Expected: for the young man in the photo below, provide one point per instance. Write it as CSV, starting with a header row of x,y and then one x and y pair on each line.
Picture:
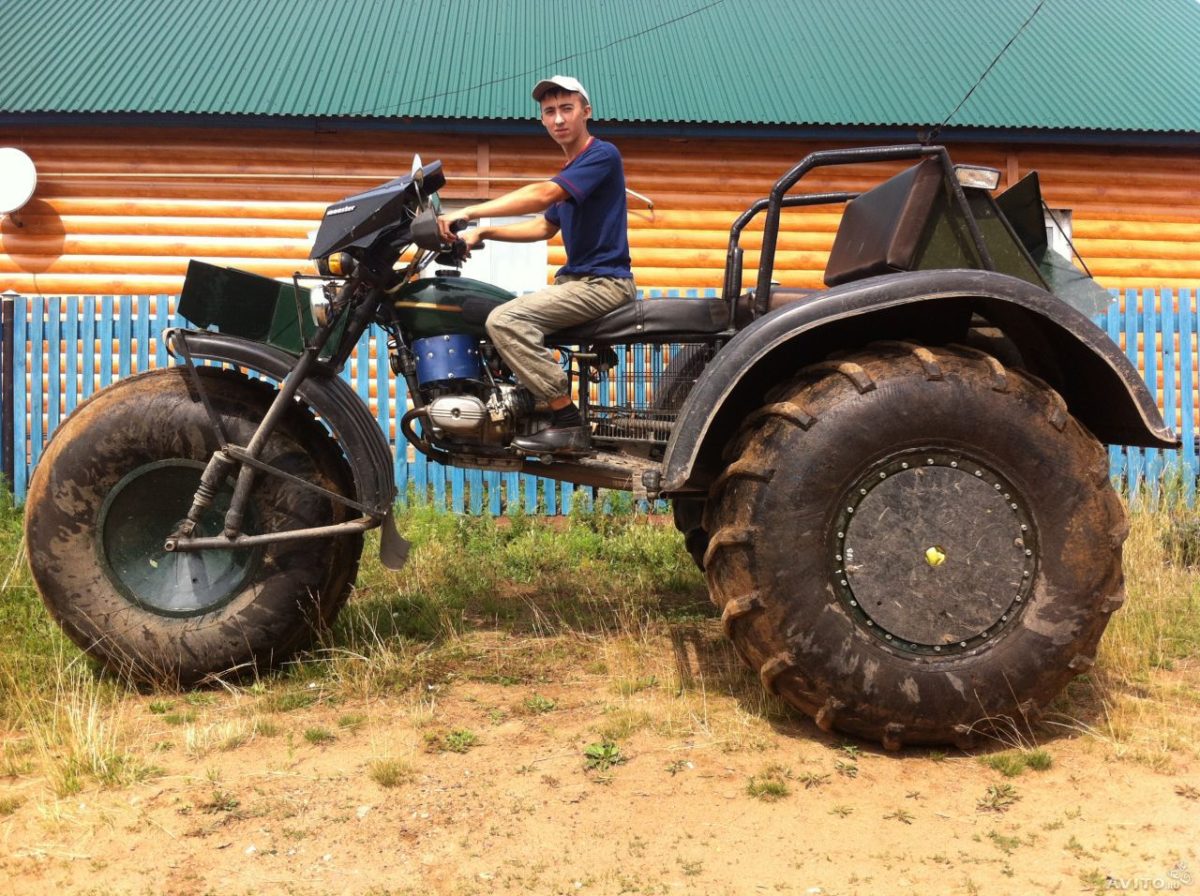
x,y
586,201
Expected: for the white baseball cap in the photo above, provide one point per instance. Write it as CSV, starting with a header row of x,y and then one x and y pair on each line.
x,y
559,82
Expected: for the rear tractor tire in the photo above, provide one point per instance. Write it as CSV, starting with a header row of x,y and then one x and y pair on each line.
x,y
116,480
915,545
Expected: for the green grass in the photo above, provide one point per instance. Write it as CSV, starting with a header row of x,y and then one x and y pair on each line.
x,y
1141,698
539,704
998,798
459,740
465,571
390,772
318,736
529,602
770,785
602,756
1013,762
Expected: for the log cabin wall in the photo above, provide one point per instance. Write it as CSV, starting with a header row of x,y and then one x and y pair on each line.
x,y
121,210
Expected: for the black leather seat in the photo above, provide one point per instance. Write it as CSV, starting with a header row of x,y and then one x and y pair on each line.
x,y
644,320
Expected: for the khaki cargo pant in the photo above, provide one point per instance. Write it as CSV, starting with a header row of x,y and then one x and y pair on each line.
x,y
518,328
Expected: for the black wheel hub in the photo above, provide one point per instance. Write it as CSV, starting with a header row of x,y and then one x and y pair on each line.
x,y
135,520
934,552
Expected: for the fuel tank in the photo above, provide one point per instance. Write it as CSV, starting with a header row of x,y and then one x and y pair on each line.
x,y
434,306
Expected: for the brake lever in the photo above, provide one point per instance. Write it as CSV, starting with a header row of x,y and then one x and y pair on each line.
x,y
457,252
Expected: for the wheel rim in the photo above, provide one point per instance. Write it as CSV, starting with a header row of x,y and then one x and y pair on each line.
x,y
135,520
934,553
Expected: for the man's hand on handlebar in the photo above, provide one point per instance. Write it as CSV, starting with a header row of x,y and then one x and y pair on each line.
x,y
449,227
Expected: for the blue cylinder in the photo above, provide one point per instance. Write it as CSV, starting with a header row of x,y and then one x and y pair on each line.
x,y
450,357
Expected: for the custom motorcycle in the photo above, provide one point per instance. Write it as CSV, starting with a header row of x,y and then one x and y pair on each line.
x,y
894,485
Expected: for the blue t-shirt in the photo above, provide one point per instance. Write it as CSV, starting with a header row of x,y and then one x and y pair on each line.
x,y
593,217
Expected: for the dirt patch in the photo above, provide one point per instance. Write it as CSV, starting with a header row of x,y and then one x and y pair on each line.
x,y
291,802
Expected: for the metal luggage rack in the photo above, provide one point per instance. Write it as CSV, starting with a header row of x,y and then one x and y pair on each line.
x,y
633,393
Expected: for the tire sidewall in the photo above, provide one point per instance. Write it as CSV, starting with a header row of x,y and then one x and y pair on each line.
x,y
1016,433
150,418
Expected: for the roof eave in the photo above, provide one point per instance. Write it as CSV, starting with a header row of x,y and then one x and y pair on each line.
x,y
664,129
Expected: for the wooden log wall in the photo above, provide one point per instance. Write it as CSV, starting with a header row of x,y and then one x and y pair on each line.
x,y
121,210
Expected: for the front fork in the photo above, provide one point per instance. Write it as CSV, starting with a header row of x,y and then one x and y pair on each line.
x,y
249,457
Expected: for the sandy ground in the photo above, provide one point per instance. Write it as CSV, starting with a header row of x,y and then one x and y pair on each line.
x,y
519,812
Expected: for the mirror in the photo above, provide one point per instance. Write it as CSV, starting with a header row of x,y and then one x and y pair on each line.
x,y
418,178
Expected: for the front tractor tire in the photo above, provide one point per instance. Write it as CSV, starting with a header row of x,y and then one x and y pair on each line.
x,y
117,479
915,545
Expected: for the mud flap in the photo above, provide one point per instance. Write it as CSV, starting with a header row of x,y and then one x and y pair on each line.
x,y
393,547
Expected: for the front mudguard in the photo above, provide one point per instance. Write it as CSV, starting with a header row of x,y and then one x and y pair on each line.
x,y
1102,389
331,398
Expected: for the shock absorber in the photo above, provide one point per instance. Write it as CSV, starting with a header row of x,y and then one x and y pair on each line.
x,y
400,359
403,363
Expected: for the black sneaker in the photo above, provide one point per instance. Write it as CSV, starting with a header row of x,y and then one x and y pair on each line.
x,y
565,441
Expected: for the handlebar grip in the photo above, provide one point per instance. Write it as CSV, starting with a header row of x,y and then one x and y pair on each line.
x,y
459,224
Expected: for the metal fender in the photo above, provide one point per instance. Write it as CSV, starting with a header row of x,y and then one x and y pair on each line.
x,y
337,404
1103,390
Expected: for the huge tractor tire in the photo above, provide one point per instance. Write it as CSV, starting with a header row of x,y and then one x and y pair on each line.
x,y
117,479
915,545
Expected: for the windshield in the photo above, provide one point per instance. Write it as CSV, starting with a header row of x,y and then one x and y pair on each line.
x,y
358,219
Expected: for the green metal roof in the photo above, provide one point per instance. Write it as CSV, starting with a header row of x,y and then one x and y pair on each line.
x,y
1094,65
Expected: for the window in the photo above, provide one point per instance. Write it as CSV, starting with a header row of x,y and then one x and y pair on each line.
x,y
519,267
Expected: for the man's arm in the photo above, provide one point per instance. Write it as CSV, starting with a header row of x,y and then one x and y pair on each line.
x,y
525,200
518,232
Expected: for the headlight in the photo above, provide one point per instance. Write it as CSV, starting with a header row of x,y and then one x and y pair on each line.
x,y
977,176
319,303
340,264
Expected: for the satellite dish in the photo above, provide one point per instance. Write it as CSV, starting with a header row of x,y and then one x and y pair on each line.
x,y
18,177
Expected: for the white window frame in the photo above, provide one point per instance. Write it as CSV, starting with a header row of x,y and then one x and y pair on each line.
x,y
517,267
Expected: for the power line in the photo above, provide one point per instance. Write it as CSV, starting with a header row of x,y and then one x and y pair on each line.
x,y
541,69
934,133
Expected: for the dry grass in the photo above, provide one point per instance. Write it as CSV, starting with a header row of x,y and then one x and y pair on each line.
x,y
1141,699
80,731
529,603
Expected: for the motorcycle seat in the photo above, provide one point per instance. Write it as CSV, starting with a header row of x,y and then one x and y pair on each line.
x,y
642,320
647,320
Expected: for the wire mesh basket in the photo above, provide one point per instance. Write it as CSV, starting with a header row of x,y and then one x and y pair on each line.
x,y
634,392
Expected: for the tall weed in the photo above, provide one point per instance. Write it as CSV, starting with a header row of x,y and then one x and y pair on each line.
x,y
1141,696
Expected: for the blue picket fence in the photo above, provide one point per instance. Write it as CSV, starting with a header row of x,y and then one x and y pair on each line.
x,y
62,349
1158,330
66,348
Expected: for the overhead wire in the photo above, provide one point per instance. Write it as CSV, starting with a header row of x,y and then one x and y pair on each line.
x,y
933,135
544,66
